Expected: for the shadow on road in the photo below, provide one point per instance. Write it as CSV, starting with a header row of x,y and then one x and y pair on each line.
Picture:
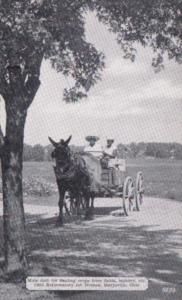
x,y
80,249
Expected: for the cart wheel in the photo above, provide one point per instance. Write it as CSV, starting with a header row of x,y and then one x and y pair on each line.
x,y
139,190
128,195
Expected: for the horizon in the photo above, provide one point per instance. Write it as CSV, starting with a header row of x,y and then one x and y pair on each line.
x,y
82,145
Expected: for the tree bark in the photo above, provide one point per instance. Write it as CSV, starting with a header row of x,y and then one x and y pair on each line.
x,y
1,141
13,211
18,95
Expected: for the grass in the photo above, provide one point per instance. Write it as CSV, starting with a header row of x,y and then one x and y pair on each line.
x,y
163,177
42,170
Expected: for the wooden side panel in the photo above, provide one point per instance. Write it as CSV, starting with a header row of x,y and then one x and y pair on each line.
x,y
118,177
94,167
103,177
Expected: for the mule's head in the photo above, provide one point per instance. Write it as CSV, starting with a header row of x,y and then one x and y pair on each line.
x,y
61,152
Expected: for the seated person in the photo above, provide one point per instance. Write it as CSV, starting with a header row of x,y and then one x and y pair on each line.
x,y
109,154
110,150
93,148
111,162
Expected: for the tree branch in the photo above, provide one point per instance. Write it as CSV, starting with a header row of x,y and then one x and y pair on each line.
x,y
33,82
31,88
4,87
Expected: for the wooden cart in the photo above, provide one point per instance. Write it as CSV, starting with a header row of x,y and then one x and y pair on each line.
x,y
114,181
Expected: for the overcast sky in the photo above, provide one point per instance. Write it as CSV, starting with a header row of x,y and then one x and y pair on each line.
x,y
131,103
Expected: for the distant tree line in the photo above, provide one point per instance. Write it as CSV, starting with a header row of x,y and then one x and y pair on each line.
x,y
42,153
34,153
155,150
132,150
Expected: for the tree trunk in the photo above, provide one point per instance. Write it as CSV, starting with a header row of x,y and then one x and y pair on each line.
x,y
13,211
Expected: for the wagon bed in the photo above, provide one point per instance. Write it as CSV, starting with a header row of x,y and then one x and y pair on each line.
x,y
104,177
113,182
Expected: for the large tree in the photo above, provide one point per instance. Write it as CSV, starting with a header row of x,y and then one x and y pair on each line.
x,y
33,30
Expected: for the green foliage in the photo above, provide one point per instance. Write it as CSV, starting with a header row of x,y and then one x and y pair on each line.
x,y
31,30
33,153
156,150
151,23
55,30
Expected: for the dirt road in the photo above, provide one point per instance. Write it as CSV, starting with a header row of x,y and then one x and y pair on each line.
x,y
147,243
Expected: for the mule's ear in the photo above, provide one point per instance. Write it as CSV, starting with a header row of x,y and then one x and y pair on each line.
x,y
68,140
53,142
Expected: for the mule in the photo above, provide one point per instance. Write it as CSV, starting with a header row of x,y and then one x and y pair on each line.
x,y
72,176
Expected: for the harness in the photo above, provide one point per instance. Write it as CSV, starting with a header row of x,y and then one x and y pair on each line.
x,y
76,166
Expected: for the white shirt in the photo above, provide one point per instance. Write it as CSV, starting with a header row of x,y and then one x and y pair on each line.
x,y
95,150
110,150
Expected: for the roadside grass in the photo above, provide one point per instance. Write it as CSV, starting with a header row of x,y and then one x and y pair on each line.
x,y
43,170
163,177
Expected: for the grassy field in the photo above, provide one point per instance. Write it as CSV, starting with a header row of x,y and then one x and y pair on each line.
x,y
163,178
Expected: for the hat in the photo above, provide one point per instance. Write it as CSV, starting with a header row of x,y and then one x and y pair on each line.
x,y
92,138
110,140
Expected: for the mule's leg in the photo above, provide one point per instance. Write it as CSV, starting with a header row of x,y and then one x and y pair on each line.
x,y
92,203
92,200
66,203
87,200
61,204
77,198
83,205
88,213
66,209
71,204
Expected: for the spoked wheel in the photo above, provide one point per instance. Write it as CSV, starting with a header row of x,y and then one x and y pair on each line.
x,y
139,190
128,195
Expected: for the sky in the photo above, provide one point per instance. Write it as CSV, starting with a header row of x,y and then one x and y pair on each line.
x,y
131,103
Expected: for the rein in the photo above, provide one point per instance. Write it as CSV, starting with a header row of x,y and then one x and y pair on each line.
x,y
72,169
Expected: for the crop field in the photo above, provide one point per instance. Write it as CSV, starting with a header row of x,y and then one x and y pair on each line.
x,y
163,178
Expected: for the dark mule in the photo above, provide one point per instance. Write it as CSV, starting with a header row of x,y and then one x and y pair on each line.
x,y
72,176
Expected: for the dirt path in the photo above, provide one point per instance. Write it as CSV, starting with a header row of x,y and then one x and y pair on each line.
x,y
147,243
159,214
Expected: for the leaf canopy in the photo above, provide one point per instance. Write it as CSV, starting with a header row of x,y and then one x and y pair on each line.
x,y
52,29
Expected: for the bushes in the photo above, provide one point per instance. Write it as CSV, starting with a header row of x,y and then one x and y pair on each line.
x,y
38,187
